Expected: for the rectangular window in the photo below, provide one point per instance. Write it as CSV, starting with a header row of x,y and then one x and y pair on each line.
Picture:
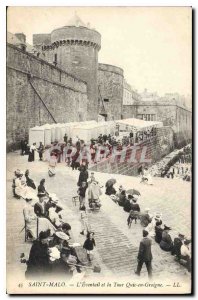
x,y
106,100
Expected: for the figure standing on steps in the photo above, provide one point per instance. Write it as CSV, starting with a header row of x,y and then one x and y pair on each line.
x,y
145,255
89,244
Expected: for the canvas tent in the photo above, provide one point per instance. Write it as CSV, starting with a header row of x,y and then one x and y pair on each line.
x,y
47,134
137,124
36,135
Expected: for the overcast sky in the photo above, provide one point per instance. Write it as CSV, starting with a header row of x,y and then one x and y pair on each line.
x,y
151,45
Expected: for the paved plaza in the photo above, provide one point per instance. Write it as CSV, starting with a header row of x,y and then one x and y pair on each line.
x,y
116,245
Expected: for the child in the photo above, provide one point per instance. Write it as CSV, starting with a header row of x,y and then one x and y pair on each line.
x,y
84,220
89,244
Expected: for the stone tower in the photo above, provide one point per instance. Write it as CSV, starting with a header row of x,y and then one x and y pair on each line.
x,y
74,48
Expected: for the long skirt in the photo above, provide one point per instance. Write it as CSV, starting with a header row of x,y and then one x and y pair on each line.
x,y
43,225
25,192
31,156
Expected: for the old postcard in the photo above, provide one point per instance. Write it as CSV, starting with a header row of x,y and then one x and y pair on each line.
x,y
99,150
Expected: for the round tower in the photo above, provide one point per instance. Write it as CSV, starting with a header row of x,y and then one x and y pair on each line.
x,y
74,48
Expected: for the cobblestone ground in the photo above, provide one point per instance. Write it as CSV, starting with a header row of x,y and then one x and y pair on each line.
x,y
116,245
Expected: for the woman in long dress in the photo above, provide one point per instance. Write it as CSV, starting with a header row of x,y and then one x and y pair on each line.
x,y
33,224
32,153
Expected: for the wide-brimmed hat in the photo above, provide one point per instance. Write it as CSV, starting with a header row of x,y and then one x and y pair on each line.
x,y
61,235
158,216
44,234
167,228
147,209
41,194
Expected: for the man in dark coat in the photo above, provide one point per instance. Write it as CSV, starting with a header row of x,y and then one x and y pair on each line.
x,y
41,150
145,255
38,264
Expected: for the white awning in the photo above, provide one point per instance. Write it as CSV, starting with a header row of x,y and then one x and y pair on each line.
x,y
138,124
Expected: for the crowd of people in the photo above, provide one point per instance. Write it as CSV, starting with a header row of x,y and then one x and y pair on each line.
x,y
74,150
154,227
54,250
176,164
180,166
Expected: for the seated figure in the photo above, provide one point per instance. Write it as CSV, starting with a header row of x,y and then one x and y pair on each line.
x,y
145,218
177,243
185,258
158,232
35,225
166,243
